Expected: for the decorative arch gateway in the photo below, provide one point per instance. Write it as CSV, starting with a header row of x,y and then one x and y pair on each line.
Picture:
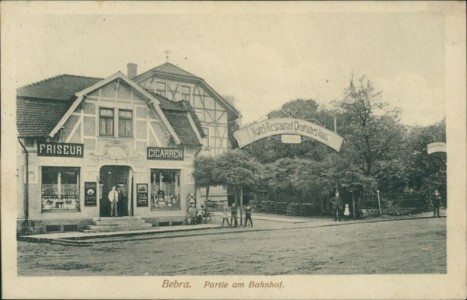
x,y
290,130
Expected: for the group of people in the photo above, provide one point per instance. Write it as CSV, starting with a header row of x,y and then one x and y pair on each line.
x,y
195,216
118,205
339,209
233,216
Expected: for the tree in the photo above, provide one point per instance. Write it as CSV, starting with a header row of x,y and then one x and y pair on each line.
x,y
238,169
371,129
206,175
425,171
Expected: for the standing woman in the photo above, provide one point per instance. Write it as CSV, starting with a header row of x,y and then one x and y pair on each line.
x,y
225,216
248,215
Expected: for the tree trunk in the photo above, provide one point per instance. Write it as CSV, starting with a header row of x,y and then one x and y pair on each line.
x,y
241,205
354,213
206,205
236,203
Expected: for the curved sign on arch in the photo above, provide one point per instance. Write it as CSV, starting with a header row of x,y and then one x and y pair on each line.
x,y
287,126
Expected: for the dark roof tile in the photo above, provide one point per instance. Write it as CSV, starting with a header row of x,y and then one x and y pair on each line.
x,y
166,103
37,117
180,123
194,117
61,87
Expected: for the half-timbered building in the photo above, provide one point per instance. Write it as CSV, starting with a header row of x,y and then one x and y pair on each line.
x,y
214,111
79,136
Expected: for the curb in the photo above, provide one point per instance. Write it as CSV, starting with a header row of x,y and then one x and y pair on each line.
x,y
186,232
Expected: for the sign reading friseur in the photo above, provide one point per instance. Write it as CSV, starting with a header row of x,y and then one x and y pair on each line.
x,y
263,129
60,149
164,153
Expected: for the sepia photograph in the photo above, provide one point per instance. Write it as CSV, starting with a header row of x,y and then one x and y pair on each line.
x,y
233,150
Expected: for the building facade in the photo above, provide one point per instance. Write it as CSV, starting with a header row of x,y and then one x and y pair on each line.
x,y
79,136
214,112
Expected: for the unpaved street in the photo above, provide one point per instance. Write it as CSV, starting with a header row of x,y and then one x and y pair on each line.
x,y
408,246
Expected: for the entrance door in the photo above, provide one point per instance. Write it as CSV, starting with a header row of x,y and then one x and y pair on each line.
x,y
118,176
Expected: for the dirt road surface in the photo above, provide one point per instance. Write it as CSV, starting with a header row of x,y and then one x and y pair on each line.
x,y
407,247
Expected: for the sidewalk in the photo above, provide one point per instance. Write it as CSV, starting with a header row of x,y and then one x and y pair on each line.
x,y
262,222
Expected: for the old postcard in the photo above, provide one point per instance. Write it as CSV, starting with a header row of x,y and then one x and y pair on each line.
x,y
233,150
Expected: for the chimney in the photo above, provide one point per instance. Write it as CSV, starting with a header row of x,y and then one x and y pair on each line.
x,y
132,70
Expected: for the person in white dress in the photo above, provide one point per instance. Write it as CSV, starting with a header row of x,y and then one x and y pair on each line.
x,y
346,212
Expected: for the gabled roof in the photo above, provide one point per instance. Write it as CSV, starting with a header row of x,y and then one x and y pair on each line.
x,y
173,69
169,69
81,95
61,87
39,116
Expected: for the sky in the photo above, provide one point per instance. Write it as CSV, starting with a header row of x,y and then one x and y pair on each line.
x,y
260,57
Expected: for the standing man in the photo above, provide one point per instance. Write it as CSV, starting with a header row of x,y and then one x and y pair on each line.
x,y
113,198
122,205
248,215
337,207
192,213
233,215
436,203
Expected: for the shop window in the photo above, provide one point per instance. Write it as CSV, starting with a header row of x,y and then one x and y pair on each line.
x,y
125,123
160,88
185,93
60,188
165,189
106,122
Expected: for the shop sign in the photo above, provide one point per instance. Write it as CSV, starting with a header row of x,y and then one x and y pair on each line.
x,y
90,193
60,149
164,153
142,195
436,147
291,139
287,126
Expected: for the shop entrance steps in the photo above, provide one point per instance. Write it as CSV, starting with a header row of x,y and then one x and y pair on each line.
x,y
109,224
